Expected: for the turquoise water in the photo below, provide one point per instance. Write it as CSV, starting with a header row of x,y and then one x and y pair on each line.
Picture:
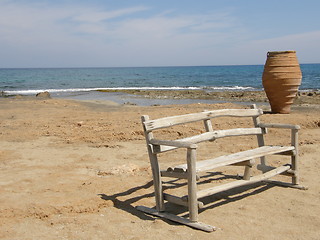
x,y
80,80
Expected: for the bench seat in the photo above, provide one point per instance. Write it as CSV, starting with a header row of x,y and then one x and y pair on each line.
x,y
226,160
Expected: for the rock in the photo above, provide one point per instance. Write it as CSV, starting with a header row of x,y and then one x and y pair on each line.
x,y
129,103
43,95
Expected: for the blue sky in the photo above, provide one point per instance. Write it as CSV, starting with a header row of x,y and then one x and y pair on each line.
x,y
103,33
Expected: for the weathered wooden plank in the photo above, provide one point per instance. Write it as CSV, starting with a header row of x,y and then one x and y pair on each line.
x,y
236,132
161,148
174,218
284,184
193,117
173,143
181,175
184,142
225,160
265,168
179,200
239,183
207,136
278,125
244,163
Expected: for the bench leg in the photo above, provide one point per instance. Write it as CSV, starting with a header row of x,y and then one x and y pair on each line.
x,y
294,159
248,169
294,164
157,183
192,185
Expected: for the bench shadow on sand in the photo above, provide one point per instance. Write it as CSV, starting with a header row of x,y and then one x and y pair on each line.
x,y
210,202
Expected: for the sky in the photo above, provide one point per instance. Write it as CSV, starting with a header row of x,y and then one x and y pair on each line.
x,y
132,33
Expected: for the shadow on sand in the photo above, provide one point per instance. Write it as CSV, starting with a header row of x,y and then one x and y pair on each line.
x,y
214,201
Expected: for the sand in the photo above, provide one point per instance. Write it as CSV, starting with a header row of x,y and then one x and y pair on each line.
x,y
76,170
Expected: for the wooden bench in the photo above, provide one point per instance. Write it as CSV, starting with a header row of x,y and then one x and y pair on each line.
x,y
192,168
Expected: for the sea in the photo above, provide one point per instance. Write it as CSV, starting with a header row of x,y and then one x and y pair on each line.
x,y
84,83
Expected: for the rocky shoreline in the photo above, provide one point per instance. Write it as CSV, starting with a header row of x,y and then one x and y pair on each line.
x,y
303,97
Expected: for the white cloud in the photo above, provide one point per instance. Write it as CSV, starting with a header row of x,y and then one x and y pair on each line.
x,y
95,16
306,44
47,31
82,35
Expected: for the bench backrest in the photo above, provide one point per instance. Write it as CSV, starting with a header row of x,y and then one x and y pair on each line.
x,y
151,125
211,134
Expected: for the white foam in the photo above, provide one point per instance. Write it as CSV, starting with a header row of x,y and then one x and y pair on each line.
x,y
231,88
35,91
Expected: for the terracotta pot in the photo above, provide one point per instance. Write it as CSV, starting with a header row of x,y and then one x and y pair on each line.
x,y
281,80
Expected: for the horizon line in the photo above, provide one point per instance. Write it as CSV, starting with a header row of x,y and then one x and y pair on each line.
x,y
222,65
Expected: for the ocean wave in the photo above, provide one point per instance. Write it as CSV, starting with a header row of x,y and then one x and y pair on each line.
x,y
70,90
230,88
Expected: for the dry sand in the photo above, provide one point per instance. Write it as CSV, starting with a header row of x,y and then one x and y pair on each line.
x,y
76,170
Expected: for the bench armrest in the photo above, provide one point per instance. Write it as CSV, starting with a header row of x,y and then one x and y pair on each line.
x,y
173,143
278,125
294,130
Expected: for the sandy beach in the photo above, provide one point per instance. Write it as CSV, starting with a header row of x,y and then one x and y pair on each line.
x,y
77,169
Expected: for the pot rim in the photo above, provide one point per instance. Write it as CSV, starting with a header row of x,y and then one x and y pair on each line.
x,y
281,52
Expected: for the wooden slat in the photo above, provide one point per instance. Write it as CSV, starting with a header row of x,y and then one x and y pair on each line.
x,y
181,143
173,143
238,183
161,148
181,175
207,136
175,200
236,132
234,158
265,168
284,184
179,200
244,163
174,218
193,117
278,125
